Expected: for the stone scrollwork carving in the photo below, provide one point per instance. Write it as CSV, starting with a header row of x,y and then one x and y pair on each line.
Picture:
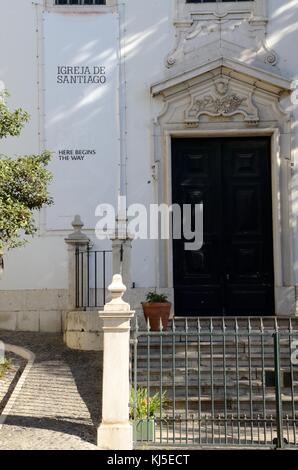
x,y
223,102
220,106
271,56
229,29
171,60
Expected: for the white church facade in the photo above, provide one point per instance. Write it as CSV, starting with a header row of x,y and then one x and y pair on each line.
x,y
161,102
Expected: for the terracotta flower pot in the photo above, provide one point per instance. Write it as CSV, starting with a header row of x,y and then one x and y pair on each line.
x,y
156,311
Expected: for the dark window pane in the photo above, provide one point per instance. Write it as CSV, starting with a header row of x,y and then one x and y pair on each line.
x,y
80,2
213,1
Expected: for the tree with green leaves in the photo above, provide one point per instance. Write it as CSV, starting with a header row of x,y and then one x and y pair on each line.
x,y
23,183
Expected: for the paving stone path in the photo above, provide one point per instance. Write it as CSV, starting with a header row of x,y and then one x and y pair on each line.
x,y
58,407
10,378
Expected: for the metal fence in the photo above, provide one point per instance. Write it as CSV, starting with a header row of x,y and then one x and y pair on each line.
x,y
93,268
213,382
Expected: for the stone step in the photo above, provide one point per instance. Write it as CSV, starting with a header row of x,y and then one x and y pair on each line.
x,y
217,363
215,356
192,354
193,368
217,340
230,322
231,404
252,359
243,348
205,388
205,378
168,337
205,370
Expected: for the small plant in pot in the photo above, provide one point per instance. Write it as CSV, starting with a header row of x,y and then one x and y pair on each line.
x,y
143,411
156,308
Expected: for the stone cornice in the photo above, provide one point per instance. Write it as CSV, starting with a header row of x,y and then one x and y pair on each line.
x,y
271,82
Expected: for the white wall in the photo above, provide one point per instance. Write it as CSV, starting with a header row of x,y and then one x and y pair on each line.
x,y
19,69
149,38
283,35
19,72
148,27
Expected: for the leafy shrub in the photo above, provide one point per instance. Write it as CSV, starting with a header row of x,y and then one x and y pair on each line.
x,y
142,406
155,297
4,367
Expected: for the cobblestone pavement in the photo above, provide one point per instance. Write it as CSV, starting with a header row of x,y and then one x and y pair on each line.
x,y
10,378
58,407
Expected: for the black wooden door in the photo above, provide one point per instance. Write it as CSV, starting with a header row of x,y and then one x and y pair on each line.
x,y
232,274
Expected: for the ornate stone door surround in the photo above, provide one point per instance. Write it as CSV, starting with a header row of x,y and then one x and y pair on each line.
x,y
225,97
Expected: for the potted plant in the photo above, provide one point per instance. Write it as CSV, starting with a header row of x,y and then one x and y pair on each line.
x,y
143,410
156,308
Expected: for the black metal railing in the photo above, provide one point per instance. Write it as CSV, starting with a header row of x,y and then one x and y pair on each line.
x,y
214,382
93,268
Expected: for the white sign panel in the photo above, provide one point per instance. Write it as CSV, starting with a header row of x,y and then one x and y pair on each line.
x,y
81,124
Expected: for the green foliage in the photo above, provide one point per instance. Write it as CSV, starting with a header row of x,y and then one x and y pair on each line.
x,y
23,184
11,122
142,407
4,367
153,297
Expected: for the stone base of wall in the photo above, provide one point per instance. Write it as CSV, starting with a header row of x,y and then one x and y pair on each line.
x,y
45,310
48,321
33,310
83,331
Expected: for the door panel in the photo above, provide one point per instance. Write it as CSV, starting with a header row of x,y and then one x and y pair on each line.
x,y
248,245
196,178
233,272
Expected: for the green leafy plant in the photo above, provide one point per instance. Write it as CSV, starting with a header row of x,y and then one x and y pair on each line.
x,y
154,297
142,406
23,183
11,122
4,367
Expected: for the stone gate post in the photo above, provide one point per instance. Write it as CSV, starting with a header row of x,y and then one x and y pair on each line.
x,y
115,431
75,240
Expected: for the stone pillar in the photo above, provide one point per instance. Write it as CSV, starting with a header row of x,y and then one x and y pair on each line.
x,y
115,431
75,240
121,247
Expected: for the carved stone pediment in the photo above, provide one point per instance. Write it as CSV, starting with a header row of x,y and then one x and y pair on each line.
x,y
221,91
221,99
223,67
